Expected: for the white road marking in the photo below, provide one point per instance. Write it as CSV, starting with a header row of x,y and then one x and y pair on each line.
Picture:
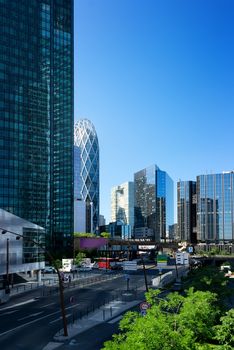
x,y
58,319
9,312
19,304
31,315
28,323
116,319
73,305
47,305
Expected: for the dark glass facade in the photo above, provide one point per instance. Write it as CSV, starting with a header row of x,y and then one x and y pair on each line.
x,y
153,207
186,211
215,207
36,114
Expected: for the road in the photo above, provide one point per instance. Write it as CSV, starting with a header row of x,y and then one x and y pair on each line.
x,y
30,321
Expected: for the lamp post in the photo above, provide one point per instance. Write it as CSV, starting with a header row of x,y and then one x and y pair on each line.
x,y
7,261
62,306
145,277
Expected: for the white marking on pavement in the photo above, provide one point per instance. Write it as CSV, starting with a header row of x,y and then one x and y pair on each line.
x,y
31,315
58,319
19,304
28,323
9,312
52,345
73,305
47,305
116,319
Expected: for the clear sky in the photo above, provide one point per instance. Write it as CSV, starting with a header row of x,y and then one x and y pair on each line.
x,y
156,78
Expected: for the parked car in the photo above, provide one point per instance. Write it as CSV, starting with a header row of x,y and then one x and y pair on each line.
x,y
49,269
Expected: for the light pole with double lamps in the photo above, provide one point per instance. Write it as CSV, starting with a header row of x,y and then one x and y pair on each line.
x,y
61,294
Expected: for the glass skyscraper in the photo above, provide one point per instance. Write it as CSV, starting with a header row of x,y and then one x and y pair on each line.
x,y
87,171
153,202
215,207
122,203
186,211
36,114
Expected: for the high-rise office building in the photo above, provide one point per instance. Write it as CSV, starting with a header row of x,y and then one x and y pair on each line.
x,y
87,164
186,211
122,203
79,203
215,207
36,115
153,203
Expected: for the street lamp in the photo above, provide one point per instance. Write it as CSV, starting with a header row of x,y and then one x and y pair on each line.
x,y
62,306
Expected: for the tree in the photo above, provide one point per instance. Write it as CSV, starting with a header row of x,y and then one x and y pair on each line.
x,y
85,235
79,258
225,331
57,263
105,234
175,323
210,278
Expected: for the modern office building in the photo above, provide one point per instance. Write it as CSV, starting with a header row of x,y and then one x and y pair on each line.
x,y
102,220
17,253
79,203
87,172
215,207
122,203
36,115
186,211
153,203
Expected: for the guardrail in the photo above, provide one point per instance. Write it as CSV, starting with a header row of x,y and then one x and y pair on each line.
x,y
50,286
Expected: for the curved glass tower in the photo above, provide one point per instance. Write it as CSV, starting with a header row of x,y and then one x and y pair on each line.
x,y
87,183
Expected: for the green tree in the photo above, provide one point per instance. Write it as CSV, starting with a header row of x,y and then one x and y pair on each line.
x,y
105,234
57,263
225,331
85,235
174,323
210,278
79,258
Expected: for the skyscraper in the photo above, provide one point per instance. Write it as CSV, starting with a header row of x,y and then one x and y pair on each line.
x,y
86,145
153,203
215,207
186,211
122,203
36,115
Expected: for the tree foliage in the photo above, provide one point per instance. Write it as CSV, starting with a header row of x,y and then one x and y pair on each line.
x,y
175,323
225,331
85,235
105,234
79,257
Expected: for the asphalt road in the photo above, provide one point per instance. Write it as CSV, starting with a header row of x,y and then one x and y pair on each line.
x,y
31,321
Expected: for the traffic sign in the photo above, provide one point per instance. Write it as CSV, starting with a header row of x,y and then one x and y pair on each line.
x,y
72,300
130,265
144,306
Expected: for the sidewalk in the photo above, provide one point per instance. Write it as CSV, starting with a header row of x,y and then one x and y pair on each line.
x,y
104,314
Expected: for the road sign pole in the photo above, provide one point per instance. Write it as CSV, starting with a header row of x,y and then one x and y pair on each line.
x,y
146,284
127,283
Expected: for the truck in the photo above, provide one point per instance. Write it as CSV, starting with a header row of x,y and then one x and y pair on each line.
x,y
67,265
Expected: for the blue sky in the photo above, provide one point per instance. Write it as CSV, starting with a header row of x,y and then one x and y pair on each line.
x,y
156,78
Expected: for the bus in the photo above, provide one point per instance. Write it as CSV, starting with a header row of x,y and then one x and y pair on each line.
x,y
109,263
4,291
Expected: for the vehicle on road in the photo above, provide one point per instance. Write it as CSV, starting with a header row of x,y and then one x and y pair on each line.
x,y
49,269
109,263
